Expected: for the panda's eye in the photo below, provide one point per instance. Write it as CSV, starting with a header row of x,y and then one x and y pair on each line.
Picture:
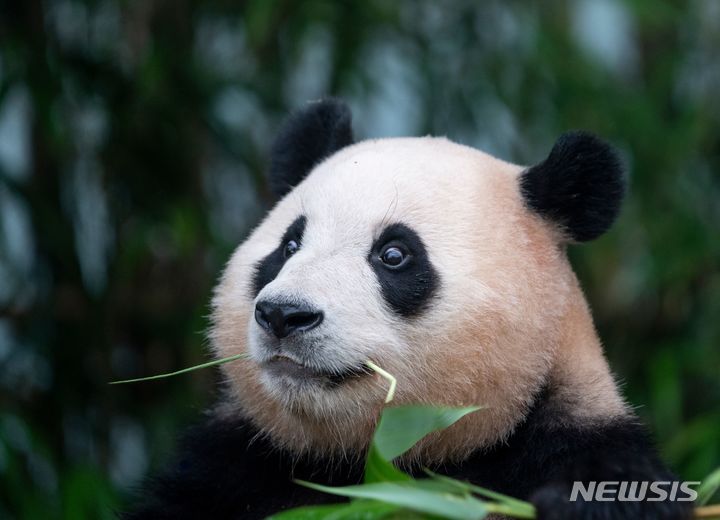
x,y
290,248
393,256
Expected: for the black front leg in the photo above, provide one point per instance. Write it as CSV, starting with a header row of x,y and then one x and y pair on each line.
x,y
618,452
552,449
224,470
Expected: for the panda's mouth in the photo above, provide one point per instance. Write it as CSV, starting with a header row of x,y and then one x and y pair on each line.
x,y
283,366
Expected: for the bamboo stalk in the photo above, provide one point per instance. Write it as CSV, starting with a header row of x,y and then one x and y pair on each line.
x,y
707,511
183,371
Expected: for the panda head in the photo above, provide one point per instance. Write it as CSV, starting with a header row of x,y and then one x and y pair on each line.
x,y
439,263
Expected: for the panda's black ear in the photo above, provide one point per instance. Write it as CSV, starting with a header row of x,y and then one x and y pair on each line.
x,y
580,186
307,137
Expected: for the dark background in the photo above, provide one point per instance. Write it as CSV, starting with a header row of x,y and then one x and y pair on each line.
x,y
133,145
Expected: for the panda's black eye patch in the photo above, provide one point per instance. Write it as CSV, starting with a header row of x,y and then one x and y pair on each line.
x,y
269,267
407,278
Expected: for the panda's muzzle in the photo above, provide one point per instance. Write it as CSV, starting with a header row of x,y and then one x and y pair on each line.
x,y
286,319
287,322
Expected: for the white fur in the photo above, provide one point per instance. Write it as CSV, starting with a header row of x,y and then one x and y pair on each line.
x,y
491,337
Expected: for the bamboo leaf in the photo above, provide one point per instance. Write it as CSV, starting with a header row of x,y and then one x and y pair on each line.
x,y
403,426
412,496
708,488
459,485
357,510
378,469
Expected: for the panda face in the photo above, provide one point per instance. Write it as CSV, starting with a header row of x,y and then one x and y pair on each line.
x,y
294,342
411,253
418,254
347,276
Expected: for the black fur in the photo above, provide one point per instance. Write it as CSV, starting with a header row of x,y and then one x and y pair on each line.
x,y
407,290
542,459
269,267
580,185
224,473
307,137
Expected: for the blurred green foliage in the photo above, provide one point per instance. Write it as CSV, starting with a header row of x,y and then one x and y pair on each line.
x,y
133,143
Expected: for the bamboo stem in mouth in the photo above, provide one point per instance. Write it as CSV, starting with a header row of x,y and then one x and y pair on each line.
x,y
386,375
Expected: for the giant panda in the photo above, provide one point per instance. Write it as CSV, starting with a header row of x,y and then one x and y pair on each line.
x,y
445,266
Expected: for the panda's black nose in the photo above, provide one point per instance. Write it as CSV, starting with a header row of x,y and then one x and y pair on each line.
x,y
284,319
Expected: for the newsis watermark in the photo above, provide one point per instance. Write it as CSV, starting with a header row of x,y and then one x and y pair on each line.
x,y
633,491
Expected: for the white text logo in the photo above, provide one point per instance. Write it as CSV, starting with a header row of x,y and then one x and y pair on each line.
x,y
633,491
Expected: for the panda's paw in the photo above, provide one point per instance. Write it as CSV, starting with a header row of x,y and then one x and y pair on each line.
x,y
552,503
